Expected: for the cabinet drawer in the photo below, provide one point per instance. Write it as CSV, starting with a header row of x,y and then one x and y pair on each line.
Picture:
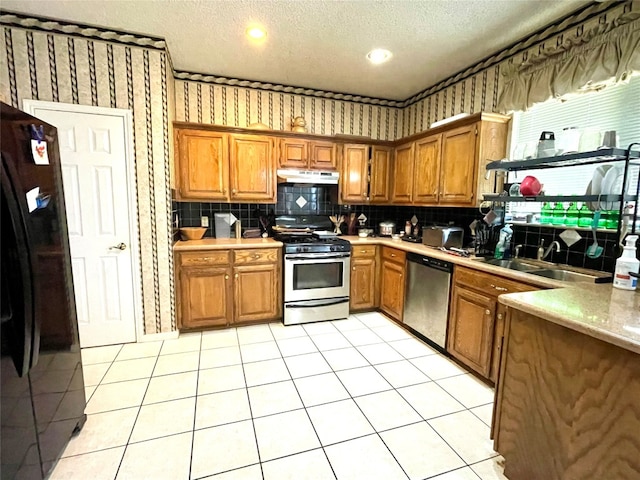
x,y
361,251
393,255
259,255
214,257
488,283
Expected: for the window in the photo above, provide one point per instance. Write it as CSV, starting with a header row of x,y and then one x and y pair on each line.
x,y
614,108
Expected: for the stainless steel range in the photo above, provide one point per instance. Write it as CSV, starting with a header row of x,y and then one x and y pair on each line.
x,y
316,275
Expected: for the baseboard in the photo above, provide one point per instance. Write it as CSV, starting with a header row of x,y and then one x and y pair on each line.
x,y
157,337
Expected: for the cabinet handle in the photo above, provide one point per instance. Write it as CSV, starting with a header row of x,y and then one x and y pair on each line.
x,y
236,275
353,268
234,191
256,255
393,254
500,289
487,312
226,277
363,251
499,316
224,191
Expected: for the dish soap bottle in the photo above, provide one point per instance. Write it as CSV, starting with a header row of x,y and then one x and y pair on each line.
x,y
627,263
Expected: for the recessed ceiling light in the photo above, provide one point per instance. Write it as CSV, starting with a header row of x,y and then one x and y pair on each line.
x,y
256,33
378,55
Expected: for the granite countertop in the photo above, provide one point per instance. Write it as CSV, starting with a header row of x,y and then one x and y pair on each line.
x,y
597,310
224,243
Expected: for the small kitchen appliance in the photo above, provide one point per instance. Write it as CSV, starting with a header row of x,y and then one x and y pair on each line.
x,y
442,236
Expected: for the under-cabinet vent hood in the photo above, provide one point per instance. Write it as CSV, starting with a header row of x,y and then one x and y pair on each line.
x,y
317,177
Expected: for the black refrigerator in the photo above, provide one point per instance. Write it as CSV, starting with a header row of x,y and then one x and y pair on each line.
x,y
42,397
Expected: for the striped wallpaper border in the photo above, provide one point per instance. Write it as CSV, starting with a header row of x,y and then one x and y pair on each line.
x,y
52,25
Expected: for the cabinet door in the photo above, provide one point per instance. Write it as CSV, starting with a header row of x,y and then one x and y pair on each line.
x,y
470,337
363,284
322,155
392,289
293,153
205,297
426,179
256,293
458,171
202,161
380,165
402,183
353,178
252,176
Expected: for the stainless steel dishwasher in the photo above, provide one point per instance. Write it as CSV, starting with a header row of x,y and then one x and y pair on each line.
x,y
426,306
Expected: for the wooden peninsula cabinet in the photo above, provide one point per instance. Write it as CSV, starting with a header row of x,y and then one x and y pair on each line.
x,y
392,282
476,321
364,278
223,287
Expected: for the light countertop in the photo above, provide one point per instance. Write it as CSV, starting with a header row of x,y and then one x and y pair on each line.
x,y
224,243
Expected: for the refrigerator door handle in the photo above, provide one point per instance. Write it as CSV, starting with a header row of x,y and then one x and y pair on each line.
x,y
20,268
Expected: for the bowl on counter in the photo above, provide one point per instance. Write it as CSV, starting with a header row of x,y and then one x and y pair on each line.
x,y
192,233
365,232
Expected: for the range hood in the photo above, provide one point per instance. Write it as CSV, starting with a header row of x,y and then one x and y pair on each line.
x,y
314,177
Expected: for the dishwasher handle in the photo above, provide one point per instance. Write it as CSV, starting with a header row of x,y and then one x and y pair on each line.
x,y
435,263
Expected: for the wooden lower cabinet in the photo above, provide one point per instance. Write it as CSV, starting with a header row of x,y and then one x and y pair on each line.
x,y
392,282
256,292
471,332
363,284
221,288
476,319
205,296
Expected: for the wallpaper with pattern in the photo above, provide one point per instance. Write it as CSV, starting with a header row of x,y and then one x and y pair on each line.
x,y
71,69
62,62
202,102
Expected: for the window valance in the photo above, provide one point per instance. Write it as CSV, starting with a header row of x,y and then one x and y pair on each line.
x,y
607,53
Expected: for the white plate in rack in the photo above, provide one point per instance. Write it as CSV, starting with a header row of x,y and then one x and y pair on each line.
x,y
612,185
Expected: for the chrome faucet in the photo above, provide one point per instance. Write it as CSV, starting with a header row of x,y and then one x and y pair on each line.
x,y
517,249
541,255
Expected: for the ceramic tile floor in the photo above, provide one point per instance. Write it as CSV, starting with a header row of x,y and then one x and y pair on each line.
x,y
352,399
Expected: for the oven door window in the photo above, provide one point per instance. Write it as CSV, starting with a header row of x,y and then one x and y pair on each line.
x,y
309,276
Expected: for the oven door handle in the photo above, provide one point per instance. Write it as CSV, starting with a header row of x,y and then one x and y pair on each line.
x,y
318,304
312,256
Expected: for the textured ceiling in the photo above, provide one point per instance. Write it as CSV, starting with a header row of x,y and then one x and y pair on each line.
x,y
321,44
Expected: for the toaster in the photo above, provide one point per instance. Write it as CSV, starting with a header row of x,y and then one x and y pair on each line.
x,y
442,236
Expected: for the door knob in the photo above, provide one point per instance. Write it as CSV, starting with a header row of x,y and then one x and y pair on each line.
x,y
120,246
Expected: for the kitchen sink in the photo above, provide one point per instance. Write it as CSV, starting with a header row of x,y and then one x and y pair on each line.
x,y
555,273
511,264
564,275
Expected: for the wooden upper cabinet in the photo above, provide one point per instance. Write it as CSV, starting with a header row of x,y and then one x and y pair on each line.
x,y
426,179
202,160
380,169
353,177
322,155
252,169
459,170
402,178
293,153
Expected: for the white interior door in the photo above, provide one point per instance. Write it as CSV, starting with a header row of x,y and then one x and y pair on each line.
x,y
93,153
